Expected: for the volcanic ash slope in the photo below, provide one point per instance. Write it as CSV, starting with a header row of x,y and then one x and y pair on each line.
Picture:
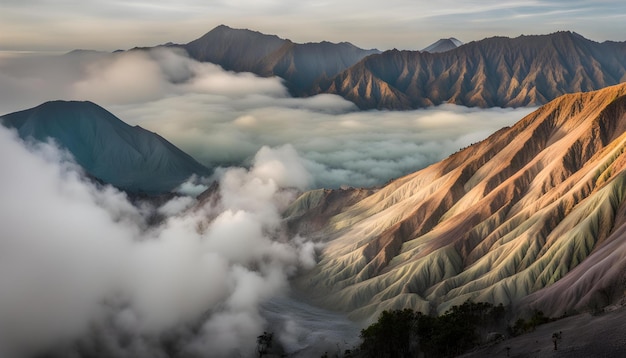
x,y
534,215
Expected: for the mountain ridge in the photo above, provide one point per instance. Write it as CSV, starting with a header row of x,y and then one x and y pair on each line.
x,y
493,72
300,65
502,221
130,158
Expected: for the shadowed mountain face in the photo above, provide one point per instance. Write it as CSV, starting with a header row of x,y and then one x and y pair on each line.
x,y
495,72
268,55
534,215
233,49
443,45
129,158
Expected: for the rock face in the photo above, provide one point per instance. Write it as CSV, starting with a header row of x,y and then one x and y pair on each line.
x,y
301,65
494,72
535,215
130,158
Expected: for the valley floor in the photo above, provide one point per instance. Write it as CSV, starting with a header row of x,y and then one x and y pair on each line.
x,y
583,335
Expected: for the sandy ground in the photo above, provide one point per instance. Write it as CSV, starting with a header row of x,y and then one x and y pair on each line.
x,y
584,335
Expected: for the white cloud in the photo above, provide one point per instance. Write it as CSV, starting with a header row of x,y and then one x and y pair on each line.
x,y
78,262
222,118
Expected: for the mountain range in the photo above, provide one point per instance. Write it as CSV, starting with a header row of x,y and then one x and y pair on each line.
x,y
493,72
300,65
130,158
533,216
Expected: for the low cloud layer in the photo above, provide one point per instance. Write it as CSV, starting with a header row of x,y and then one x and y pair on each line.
x,y
81,268
223,118
82,272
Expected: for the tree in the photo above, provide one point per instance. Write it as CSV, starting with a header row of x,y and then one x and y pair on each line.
x,y
403,333
392,335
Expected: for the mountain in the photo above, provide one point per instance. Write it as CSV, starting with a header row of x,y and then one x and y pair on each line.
x,y
234,49
130,158
301,65
534,216
443,45
494,72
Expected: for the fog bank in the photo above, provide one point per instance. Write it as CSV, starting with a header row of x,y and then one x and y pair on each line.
x,y
82,273
223,118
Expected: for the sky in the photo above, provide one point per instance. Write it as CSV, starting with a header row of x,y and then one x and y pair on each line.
x,y
63,25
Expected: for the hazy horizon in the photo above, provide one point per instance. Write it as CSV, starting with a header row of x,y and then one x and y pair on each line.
x,y
31,25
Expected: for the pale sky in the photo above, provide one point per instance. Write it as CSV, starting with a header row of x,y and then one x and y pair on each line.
x,y
61,25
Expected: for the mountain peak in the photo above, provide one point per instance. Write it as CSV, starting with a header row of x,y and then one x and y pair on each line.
x,y
513,72
222,30
301,65
443,45
128,157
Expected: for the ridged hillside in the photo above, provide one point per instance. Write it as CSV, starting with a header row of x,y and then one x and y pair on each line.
x,y
534,215
494,72
127,157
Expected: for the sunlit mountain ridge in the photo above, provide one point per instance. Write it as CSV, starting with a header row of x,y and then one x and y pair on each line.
x,y
532,216
494,72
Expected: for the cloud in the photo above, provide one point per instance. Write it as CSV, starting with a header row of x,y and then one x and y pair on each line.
x,y
79,264
223,118
341,146
193,187
124,78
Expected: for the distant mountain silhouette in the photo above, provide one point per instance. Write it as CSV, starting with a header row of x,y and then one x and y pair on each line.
x,y
443,45
234,49
494,72
130,158
268,55
534,216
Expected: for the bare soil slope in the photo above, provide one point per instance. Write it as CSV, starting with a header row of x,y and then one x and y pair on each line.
x,y
534,216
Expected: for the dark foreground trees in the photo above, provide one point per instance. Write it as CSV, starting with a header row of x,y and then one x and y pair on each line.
x,y
406,333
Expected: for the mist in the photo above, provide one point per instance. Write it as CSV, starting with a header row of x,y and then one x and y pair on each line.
x,y
82,273
223,118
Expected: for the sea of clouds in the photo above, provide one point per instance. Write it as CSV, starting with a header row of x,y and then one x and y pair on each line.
x,y
82,273
82,270
223,118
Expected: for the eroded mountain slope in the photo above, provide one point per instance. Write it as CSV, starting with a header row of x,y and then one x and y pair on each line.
x,y
506,220
494,72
